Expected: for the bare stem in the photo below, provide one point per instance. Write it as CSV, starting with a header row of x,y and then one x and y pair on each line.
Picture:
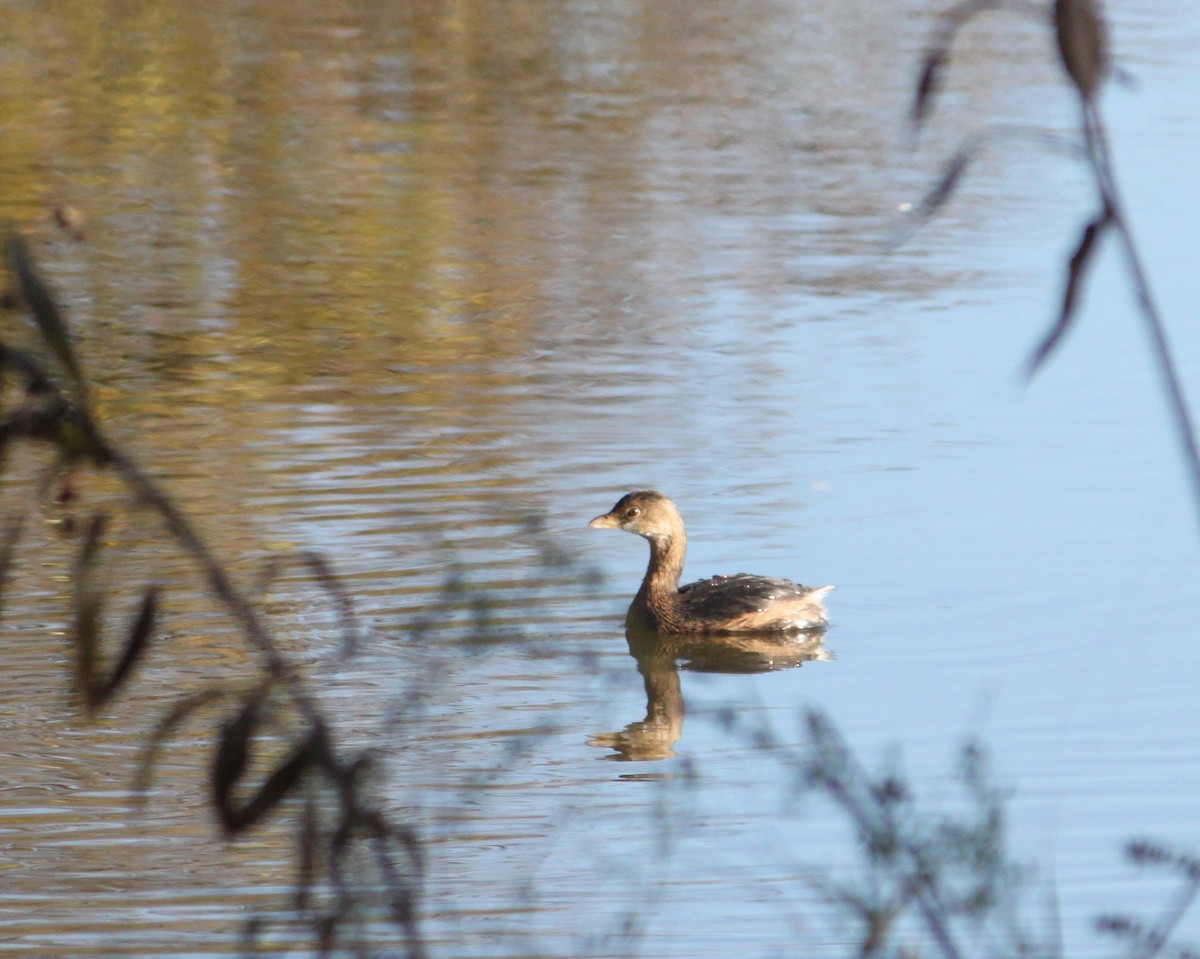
x,y
1172,916
1100,160
866,814
147,492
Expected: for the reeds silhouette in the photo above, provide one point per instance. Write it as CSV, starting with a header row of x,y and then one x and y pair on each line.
x,y
948,880
51,408
941,882
1081,35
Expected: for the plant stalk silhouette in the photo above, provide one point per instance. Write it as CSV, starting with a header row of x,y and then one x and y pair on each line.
x,y
53,408
1081,34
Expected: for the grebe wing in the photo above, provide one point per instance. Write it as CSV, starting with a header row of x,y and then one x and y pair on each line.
x,y
728,596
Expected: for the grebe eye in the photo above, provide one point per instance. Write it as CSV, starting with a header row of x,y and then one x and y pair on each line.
x,y
632,512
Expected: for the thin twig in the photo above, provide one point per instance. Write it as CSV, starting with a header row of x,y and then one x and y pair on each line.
x,y
151,495
1176,909
1100,160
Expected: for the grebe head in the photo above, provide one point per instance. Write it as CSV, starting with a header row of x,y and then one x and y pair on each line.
x,y
646,512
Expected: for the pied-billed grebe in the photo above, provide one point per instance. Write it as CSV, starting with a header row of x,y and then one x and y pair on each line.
x,y
723,604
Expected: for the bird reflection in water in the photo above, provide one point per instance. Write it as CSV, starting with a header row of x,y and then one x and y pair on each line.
x,y
725,624
659,659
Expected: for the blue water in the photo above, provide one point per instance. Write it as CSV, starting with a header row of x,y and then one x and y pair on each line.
x,y
663,268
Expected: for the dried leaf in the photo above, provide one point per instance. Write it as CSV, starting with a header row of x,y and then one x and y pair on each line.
x,y
85,635
88,606
50,321
929,80
1082,44
165,728
1075,272
230,762
936,198
320,568
928,83
139,636
276,787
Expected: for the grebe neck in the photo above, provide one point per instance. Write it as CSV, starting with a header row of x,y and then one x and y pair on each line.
x,y
666,566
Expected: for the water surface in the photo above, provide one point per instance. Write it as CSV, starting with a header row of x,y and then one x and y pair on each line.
x,y
390,281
